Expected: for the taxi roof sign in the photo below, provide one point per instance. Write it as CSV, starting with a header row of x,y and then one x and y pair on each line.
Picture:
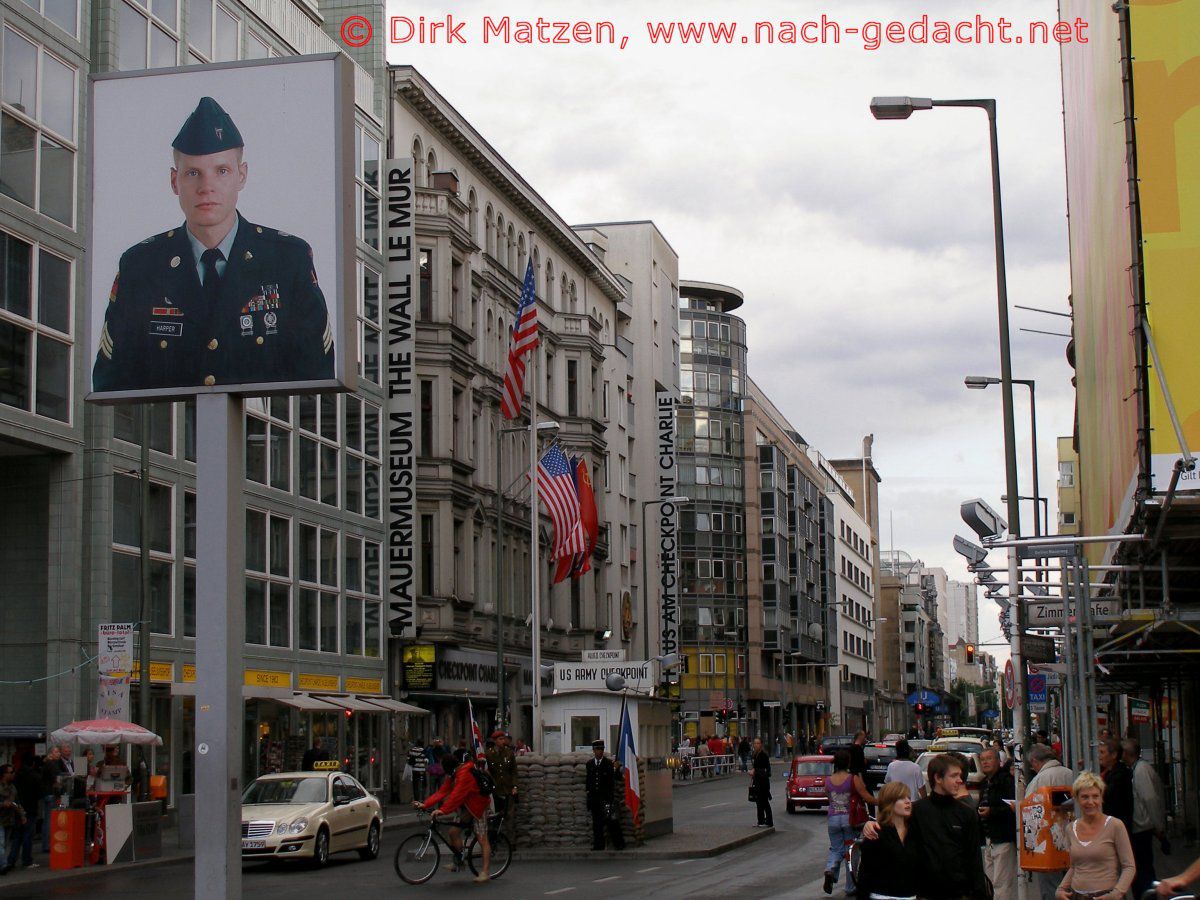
x,y
326,765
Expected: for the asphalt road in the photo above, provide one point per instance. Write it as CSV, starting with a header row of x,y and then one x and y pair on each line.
x,y
789,863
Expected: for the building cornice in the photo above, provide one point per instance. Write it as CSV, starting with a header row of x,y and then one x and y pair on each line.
x,y
435,109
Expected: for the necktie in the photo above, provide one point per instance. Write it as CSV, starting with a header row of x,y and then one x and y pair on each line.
x,y
212,281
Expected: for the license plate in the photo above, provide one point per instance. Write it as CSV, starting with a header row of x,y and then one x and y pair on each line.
x,y
254,845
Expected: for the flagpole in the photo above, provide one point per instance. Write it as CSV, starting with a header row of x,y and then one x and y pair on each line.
x,y
534,555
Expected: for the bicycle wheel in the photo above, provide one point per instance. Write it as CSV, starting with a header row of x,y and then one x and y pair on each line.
x,y
501,854
417,858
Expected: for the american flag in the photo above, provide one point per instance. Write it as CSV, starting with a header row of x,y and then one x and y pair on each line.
x,y
557,489
524,339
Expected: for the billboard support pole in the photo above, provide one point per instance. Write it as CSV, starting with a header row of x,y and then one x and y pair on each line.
x,y
220,634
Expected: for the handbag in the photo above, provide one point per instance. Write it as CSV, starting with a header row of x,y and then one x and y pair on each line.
x,y
752,795
858,810
435,770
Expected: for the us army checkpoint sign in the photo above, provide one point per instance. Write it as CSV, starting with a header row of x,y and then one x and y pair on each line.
x,y
254,161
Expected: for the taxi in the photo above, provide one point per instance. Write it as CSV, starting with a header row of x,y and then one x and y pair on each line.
x,y
309,815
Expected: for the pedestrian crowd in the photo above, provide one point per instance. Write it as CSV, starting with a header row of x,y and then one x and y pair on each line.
x,y
31,787
935,836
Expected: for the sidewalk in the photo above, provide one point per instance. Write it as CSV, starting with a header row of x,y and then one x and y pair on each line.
x,y
395,816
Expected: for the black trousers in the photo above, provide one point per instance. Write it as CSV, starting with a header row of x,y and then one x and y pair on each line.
x,y
763,801
1143,857
602,824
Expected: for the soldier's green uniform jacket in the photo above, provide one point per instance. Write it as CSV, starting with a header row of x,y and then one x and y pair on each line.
x,y
270,325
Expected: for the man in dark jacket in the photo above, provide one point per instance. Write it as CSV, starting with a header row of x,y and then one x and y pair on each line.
x,y
28,782
1118,783
947,832
998,822
601,787
858,757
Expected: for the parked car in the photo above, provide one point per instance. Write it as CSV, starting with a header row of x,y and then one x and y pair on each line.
x,y
309,815
918,746
832,742
878,756
806,782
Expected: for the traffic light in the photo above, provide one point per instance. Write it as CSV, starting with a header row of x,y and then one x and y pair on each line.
x,y
970,654
920,708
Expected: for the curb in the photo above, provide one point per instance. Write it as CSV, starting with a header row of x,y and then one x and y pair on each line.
x,y
643,852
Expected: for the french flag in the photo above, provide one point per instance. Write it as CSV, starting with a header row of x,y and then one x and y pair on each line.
x,y
627,754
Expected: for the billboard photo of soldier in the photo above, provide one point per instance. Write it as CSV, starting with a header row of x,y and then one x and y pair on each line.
x,y
241,286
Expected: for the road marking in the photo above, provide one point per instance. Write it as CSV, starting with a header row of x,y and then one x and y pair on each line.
x,y
715,805
609,878
651,869
683,862
559,891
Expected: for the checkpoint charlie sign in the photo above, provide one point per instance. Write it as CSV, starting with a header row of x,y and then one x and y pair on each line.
x,y
589,676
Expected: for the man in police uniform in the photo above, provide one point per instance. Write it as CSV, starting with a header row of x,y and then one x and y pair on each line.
x,y
217,300
601,798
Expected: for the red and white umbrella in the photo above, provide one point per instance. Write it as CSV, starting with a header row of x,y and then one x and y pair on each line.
x,y
105,731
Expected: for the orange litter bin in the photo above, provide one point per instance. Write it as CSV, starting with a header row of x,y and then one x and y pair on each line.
x,y
1044,825
67,838
158,787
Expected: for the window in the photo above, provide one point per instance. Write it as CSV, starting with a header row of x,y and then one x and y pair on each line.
x,y
213,31
706,663
426,417
718,522
318,422
199,26
189,564
1068,518
63,13
573,387
368,323
35,312
1066,473
268,581
147,37
37,128
425,295
361,481
718,568
704,568
366,186
427,581
317,606
363,601
126,553
269,441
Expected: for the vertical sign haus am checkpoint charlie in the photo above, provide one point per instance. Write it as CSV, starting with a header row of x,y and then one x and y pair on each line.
x,y
399,272
668,546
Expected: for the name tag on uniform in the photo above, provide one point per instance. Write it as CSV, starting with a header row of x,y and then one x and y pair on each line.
x,y
166,329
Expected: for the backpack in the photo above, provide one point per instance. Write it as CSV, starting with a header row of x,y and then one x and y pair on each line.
x,y
483,781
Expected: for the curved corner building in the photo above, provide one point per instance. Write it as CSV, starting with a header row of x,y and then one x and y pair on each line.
x,y
712,384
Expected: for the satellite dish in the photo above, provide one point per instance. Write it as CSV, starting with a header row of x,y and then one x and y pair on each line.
x,y
615,682
815,631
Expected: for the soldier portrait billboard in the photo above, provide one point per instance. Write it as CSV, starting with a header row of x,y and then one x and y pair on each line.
x,y
222,216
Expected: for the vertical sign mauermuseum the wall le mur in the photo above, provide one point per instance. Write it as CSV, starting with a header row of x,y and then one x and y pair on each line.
x,y
668,545
400,370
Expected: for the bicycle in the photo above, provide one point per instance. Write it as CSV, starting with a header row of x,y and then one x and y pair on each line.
x,y
419,856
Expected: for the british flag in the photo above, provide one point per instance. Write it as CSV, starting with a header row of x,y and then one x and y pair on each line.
x,y
557,490
524,339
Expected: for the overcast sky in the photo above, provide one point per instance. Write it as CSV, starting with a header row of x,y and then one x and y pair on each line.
x,y
864,248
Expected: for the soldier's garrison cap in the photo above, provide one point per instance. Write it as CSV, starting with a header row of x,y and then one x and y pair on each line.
x,y
207,130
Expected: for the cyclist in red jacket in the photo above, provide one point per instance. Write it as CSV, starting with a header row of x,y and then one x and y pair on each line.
x,y
459,793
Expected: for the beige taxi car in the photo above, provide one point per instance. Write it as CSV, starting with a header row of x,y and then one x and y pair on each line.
x,y
309,815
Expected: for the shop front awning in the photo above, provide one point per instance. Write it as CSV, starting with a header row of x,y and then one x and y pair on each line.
x,y
349,701
395,706
309,703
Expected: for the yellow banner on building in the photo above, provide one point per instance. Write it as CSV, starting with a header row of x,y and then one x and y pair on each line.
x,y
160,672
1166,88
267,678
307,682
364,685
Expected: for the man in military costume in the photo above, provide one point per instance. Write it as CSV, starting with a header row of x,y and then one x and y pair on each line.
x,y
217,300
602,799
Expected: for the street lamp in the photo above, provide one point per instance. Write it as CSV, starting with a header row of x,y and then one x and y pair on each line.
x,y
551,429
981,383
661,501
902,108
